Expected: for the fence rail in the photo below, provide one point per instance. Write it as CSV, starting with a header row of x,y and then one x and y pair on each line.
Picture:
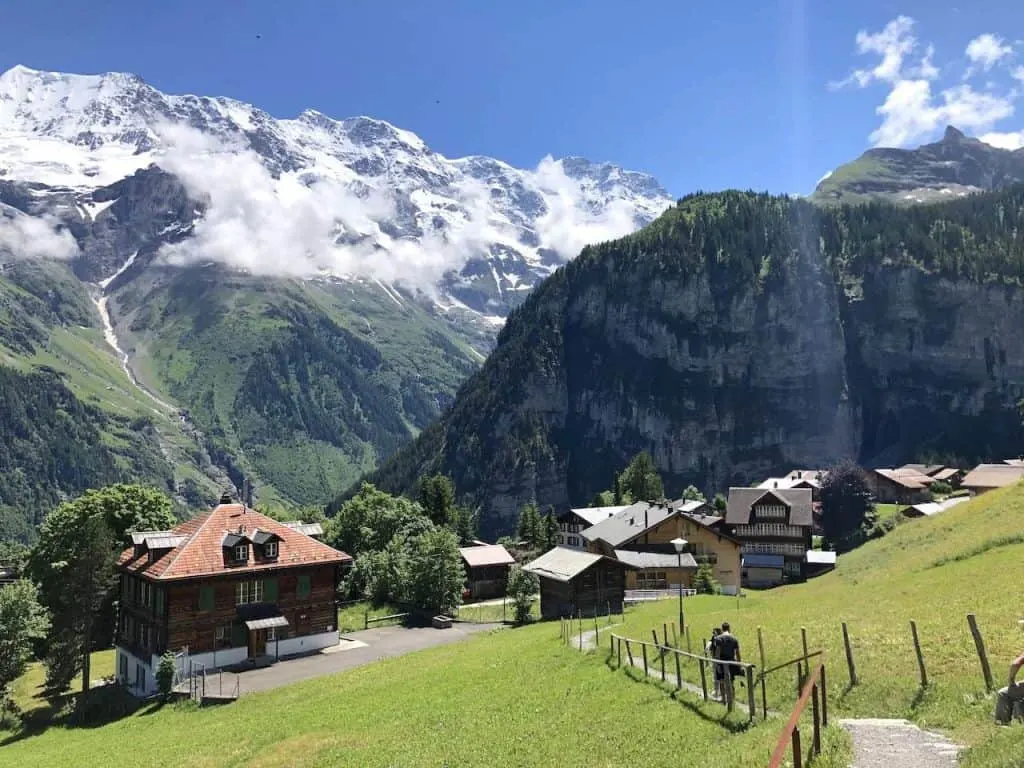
x,y
368,620
815,692
641,595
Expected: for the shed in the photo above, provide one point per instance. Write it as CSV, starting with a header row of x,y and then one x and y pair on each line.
x,y
985,477
760,570
487,569
819,562
572,582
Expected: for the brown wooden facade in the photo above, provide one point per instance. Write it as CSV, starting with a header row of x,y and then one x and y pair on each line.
x,y
208,614
598,589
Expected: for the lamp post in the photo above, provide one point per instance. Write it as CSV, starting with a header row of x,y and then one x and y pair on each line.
x,y
680,545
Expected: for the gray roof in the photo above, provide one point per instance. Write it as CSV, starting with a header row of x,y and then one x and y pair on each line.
x,y
933,508
818,557
595,515
993,476
310,529
486,554
763,561
742,499
157,539
562,564
653,559
629,523
273,621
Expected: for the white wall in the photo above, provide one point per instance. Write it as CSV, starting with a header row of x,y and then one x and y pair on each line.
x,y
222,657
303,644
147,667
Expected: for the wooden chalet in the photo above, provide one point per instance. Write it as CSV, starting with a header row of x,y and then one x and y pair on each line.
x,y
641,537
574,582
774,528
899,486
487,567
572,523
987,477
225,587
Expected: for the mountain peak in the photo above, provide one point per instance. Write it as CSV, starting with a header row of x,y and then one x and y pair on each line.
x,y
953,134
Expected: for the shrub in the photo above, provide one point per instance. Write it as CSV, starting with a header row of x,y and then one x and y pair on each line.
x,y
165,674
941,488
704,580
522,586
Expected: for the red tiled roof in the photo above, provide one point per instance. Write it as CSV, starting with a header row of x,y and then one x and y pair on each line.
x,y
202,554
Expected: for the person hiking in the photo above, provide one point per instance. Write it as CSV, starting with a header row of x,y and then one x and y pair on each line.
x,y
728,650
711,650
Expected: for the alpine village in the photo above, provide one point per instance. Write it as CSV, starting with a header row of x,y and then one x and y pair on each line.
x,y
740,486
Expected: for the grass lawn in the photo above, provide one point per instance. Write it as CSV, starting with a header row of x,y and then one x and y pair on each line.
x,y
28,689
352,617
511,697
933,570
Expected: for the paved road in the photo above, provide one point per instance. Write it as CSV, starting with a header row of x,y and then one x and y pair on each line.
x,y
881,743
367,647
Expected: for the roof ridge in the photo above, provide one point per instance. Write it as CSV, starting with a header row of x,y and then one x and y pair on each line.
x,y
192,537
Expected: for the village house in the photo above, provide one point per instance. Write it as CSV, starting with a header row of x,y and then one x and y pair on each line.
x,y
487,567
987,477
774,529
810,479
641,537
571,524
899,486
227,586
574,583
951,475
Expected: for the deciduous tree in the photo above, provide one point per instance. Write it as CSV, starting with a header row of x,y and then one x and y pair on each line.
x,y
846,504
23,621
640,481
522,588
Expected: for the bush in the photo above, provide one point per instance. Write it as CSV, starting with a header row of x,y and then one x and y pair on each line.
x,y
522,586
941,488
165,674
704,580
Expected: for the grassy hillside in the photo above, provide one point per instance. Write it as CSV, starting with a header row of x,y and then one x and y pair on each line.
x,y
934,571
302,386
515,697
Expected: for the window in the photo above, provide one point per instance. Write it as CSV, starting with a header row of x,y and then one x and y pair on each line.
x,y
205,598
270,549
272,634
158,601
249,592
242,553
147,593
303,588
224,636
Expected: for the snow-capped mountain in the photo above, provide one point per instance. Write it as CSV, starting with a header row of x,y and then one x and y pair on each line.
x,y
309,196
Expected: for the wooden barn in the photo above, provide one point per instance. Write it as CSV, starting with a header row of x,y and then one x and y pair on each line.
x,y
487,567
572,581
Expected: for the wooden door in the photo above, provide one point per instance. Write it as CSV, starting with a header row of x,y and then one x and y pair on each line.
x,y
257,643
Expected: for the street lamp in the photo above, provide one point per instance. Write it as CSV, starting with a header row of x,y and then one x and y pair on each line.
x,y
680,545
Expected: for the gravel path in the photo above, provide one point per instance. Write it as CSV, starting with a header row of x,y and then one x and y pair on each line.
x,y
885,743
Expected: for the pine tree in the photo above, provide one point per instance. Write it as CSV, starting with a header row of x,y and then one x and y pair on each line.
x,y
704,580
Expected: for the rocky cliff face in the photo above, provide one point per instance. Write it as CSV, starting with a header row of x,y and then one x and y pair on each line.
x,y
737,337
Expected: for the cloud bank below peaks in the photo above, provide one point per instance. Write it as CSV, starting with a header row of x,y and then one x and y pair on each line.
x,y
33,237
304,223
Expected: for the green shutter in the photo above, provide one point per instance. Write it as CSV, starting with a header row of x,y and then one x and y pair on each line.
x,y
238,634
270,590
205,598
304,587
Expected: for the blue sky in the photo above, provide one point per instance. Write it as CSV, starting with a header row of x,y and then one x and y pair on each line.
x,y
763,95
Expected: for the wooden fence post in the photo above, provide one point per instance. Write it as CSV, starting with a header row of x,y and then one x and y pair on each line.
x,y
760,649
664,635
366,619
675,638
798,754
849,656
620,653
644,647
751,699
629,651
688,648
654,634
920,656
663,665
979,644
803,640
703,679
679,672
816,715
824,698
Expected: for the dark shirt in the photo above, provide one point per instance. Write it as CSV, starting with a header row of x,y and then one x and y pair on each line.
x,y
727,646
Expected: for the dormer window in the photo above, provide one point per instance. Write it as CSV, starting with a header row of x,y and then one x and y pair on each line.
x,y
270,550
242,553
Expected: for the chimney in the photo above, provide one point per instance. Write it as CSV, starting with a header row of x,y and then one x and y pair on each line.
x,y
225,498
776,483
645,518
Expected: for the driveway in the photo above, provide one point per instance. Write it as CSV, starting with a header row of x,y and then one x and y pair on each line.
x,y
354,650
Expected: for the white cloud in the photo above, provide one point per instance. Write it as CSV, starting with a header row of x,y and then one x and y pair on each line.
x,y
985,51
568,225
912,110
31,237
1018,73
290,226
1012,140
